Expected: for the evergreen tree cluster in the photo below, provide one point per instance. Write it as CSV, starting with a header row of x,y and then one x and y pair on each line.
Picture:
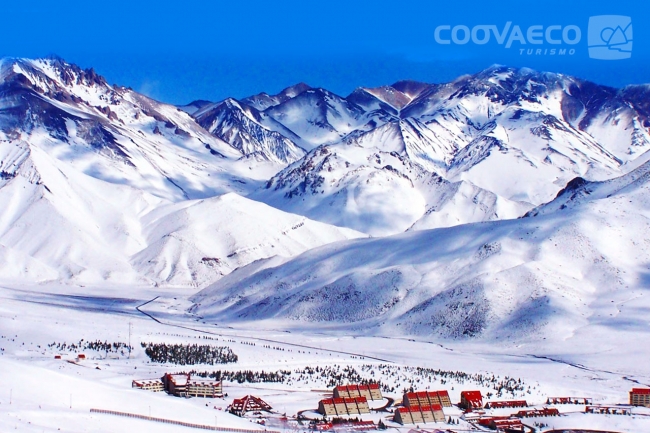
x,y
189,354
416,377
97,346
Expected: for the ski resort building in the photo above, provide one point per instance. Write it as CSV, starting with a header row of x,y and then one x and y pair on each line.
x,y
536,413
426,398
326,407
487,421
200,388
344,426
507,425
569,400
505,403
181,385
640,397
608,410
250,403
471,400
154,385
343,406
370,391
419,414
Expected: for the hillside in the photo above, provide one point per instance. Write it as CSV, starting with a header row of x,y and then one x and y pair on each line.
x,y
580,263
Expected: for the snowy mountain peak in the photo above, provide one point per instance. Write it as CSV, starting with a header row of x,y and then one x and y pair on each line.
x,y
397,95
249,131
263,100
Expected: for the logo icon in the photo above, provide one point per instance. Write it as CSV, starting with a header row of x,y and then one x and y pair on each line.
x,y
610,37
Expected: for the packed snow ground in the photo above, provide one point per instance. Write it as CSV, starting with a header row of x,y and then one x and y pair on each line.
x,y
42,389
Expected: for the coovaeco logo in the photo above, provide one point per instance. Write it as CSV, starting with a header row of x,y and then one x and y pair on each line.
x,y
610,37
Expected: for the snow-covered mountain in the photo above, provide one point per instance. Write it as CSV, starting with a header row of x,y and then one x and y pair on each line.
x,y
115,134
59,224
574,265
199,241
514,134
319,116
379,192
249,131
263,100
99,184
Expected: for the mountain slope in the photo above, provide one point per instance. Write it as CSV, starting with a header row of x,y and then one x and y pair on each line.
x,y
318,117
243,127
96,179
200,241
557,276
114,134
379,191
58,224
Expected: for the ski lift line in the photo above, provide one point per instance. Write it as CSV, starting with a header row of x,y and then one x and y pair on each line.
x,y
254,338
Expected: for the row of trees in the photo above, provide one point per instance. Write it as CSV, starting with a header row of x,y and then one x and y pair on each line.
x,y
243,376
189,354
389,377
97,346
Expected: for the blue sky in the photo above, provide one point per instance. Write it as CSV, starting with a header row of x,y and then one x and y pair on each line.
x,y
181,51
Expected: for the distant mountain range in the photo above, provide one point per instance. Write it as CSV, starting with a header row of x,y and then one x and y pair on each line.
x,y
99,183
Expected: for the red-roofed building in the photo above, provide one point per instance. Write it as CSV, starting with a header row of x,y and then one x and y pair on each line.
x,y
326,407
426,398
176,384
487,421
249,403
343,406
608,410
505,403
419,414
536,413
154,385
205,388
370,391
569,400
182,385
640,397
471,400
507,425
339,405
